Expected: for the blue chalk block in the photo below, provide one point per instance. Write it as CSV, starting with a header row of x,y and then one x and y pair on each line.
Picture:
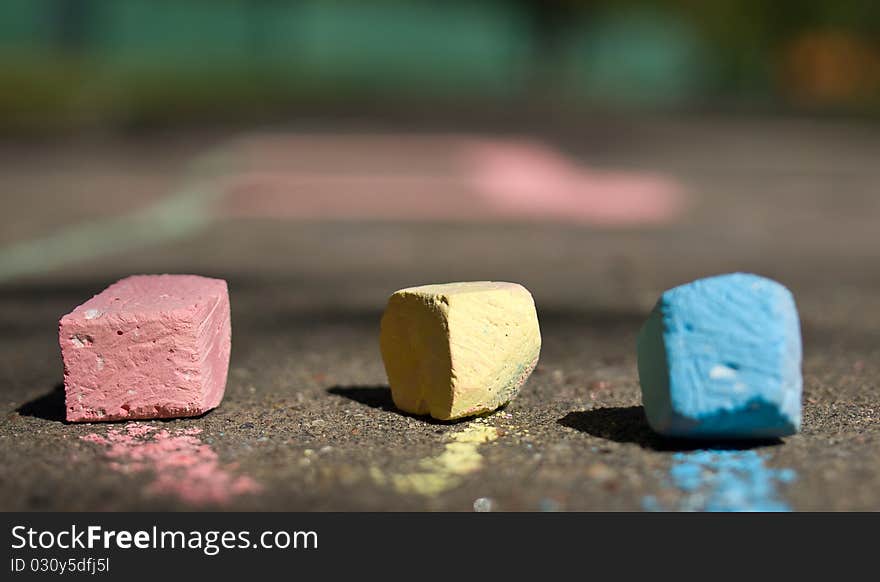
x,y
721,358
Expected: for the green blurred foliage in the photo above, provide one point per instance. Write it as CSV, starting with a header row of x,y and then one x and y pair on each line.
x,y
82,61
639,58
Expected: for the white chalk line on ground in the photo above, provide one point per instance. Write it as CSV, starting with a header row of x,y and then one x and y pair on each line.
x,y
182,213
501,180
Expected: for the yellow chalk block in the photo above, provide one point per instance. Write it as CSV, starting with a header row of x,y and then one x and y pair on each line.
x,y
459,349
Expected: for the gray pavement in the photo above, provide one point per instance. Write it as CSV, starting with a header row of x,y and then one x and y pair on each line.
x,y
307,414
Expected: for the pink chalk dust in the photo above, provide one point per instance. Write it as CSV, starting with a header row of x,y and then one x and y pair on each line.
x,y
529,179
182,465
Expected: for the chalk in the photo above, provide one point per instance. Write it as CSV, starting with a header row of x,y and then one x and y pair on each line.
x,y
459,349
148,346
721,358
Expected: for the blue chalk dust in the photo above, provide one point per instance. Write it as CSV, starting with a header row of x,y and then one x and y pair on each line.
x,y
718,480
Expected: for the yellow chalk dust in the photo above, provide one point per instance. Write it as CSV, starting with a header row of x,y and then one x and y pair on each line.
x,y
460,457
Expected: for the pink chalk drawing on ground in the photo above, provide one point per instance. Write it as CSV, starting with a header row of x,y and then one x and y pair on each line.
x,y
183,466
444,177
526,178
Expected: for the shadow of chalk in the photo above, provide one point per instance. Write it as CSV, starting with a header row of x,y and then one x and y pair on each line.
x,y
379,397
372,396
49,406
629,425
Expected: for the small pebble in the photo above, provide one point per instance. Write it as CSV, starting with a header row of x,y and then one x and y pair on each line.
x,y
483,505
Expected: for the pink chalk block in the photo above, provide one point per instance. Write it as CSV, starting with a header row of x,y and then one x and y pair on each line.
x,y
148,346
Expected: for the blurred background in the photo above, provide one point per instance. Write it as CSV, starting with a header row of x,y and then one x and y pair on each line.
x,y
121,63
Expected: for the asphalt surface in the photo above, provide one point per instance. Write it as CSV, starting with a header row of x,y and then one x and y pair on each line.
x,y
307,413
